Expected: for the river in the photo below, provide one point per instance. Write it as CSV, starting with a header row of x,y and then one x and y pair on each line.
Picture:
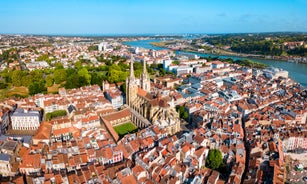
x,y
297,71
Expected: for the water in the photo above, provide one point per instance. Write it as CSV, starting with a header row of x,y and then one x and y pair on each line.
x,y
145,44
297,71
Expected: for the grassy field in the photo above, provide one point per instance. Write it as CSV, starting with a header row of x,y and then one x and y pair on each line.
x,y
158,44
125,128
18,91
54,88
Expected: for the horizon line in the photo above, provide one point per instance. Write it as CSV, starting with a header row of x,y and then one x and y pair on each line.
x,y
143,34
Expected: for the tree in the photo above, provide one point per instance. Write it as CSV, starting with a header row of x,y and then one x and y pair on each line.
x,y
182,112
214,159
78,64
72,81
27,80
37,87
43,57
70,71
49,80
123,88
85,77
92,47
115,74
37,75
55,114
185,115
162,72
6,75
16,77
59,76
3,85
59,65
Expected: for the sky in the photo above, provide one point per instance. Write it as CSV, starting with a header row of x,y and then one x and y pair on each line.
x,y
151,16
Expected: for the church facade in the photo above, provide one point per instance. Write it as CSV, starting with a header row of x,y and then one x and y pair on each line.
x,y
149,108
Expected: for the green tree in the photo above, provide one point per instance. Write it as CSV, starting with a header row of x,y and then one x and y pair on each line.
x,y
59,65
37,75
70,71
84,76
92,47
183,113
59,76
97,78
3,85
49,80
123,88
43,57
37,87
162,72
115,74
78,64
72,81
27,80
55,114
16,77
5,74
214,159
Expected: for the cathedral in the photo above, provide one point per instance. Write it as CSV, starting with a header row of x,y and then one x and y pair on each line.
x,y
148,108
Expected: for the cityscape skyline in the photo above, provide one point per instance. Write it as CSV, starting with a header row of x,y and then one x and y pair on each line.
x,y
158,17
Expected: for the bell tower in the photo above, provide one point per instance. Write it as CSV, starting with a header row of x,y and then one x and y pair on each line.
x,y
145,79
131,85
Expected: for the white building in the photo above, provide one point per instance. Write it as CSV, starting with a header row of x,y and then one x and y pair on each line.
x,y
184,69
102,46
115,96
273,73
166,64
25,120
189,55
217,64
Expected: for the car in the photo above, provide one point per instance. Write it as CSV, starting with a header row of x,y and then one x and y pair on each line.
x,y
305,178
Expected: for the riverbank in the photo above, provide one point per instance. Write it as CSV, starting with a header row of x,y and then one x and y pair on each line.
x,y
297,71
232,54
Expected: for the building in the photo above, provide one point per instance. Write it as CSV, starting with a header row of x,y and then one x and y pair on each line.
x,y
5,165
274,73
117,118
42,134
102,46
217,64
183,69
168,81
9,147
23,119
189,55
145,80
146,108
31,164
115,96
166,64
91,122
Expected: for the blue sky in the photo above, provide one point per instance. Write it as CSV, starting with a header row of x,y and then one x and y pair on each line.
x,y
151,16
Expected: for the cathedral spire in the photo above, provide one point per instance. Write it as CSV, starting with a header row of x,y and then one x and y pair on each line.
x,y
144,68
145,79
131,89
132,77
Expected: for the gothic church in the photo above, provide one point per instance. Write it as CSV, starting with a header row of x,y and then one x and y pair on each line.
x,y
148,108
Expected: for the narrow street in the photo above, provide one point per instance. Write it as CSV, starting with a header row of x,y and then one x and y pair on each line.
x,y
247,151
